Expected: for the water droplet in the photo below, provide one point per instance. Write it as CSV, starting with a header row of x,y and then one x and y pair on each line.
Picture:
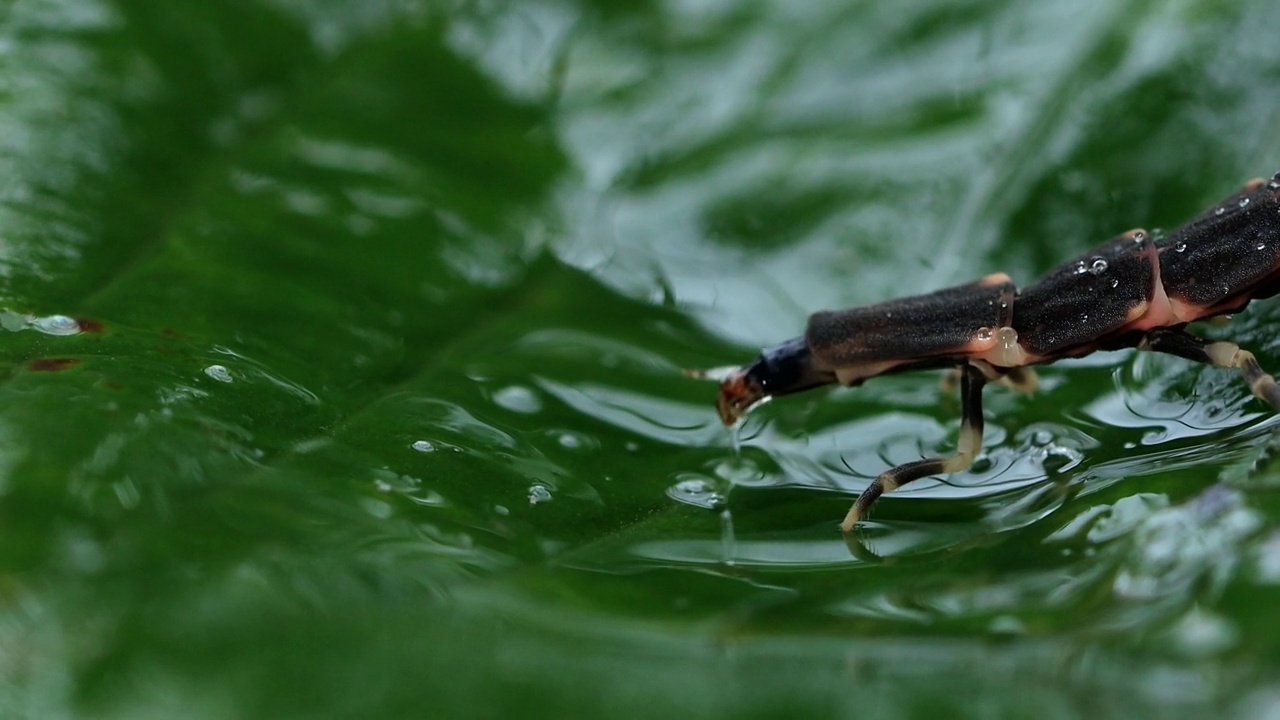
x,y
1084,317
219,373
1115,283
501,510
539,494
1219,210
518,399
728,540
631,446
1042,437
1179,247
1139,236
1260,246
423,446
1008,338
56,325
1081,267
1098,266
569,440
1244,202
985,334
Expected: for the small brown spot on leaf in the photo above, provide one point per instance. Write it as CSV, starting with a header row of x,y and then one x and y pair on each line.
x,y
89,325
51,364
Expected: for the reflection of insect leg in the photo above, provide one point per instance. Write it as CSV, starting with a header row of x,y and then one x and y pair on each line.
x,y
972,380
1221,354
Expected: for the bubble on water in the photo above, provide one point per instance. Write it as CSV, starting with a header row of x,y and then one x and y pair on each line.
x,y
1042,437
695,490
518,399
219,373
423,446
539,493
56,325
1098,266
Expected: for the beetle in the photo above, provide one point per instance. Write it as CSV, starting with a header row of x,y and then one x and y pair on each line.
x,y
1133,291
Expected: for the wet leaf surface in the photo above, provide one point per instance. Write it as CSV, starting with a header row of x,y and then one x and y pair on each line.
x,y
343,350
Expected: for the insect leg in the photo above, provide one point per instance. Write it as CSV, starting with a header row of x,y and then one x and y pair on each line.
x,y
1219,353
971,381
1018,379
1021,379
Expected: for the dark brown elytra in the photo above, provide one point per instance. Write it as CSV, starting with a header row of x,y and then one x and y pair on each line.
x,y
1131,292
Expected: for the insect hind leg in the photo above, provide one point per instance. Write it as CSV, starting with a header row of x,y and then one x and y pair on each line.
x,y
972,380
1220,353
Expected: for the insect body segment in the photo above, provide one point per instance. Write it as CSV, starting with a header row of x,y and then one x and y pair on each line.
x,y
1132,291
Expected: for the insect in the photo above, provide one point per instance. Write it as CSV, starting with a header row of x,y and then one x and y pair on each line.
x,y
1133,291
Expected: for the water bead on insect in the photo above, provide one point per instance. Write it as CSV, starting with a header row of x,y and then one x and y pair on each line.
x,y
1098,266
1180,247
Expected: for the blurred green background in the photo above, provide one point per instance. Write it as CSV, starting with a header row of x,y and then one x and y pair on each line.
x,y
342,345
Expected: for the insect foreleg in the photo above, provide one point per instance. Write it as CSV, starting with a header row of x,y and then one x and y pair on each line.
x,y
1021,379
972,380
1219,353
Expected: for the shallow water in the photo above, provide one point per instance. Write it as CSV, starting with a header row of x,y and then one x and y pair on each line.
x,y
345,350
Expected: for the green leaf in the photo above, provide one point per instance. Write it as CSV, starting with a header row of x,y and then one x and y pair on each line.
x,y
343,346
